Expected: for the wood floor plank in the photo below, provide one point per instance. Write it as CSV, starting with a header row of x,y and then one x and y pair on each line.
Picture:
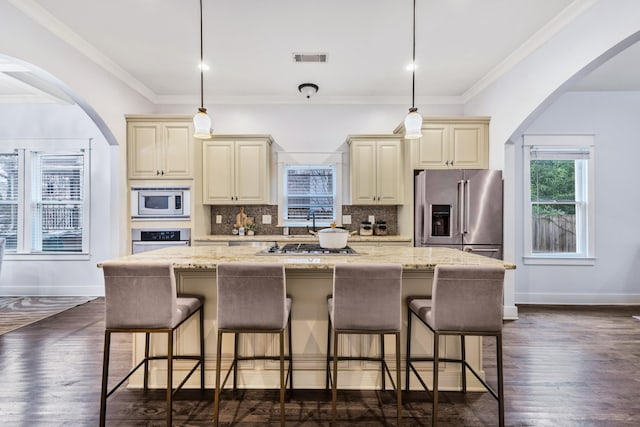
x,y
563,366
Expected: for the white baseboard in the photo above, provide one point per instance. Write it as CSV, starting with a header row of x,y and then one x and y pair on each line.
x,y
577,299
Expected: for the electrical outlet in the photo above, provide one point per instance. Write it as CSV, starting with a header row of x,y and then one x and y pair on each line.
x,y
346,219
218,219
266,219
372,219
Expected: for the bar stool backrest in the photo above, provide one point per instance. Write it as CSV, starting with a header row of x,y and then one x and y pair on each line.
x,y
367,296
467,298
251,296
140,295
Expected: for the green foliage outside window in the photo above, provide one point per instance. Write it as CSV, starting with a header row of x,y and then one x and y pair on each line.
x,y
553,181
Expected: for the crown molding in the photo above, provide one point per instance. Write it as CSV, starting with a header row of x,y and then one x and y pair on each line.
x,y
64,33
540,37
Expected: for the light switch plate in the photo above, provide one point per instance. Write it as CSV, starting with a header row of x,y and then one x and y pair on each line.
x,y
372,219
218,219
266,219
346,219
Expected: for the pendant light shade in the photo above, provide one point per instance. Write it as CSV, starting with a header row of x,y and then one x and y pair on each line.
x,y
202,124
413,124
413,121
201,121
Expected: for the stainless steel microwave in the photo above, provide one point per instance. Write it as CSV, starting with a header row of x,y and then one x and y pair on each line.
x,y
161,202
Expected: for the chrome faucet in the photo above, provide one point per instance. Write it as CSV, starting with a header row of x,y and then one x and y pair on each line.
x,y
310,215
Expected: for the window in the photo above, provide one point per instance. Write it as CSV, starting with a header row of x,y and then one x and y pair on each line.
x,y
309,191
558,199
44,199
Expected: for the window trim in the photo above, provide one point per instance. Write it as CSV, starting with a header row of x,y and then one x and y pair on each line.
x,y
572,143
26,148
309,159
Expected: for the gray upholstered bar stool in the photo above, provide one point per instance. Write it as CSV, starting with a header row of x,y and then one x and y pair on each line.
x,y
141,297
465,300
252,299
366,299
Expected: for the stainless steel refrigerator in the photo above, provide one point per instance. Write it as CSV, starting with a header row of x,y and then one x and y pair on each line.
x,y
460,209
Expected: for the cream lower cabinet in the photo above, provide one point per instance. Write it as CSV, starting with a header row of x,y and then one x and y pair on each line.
x,y
453,144
159,148
375,169
236,170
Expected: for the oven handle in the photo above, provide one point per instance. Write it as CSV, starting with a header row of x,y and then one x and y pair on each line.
x,y
137,246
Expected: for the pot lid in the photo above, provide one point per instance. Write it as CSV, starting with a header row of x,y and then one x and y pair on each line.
x,y
333,230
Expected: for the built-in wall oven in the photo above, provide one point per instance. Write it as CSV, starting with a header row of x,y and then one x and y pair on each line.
x,y
149,239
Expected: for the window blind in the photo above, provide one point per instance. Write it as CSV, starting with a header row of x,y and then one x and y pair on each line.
x,y
9,193
57,211
310,190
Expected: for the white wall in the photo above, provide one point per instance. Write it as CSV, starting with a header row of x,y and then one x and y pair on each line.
x,y
313,127
31,277
615,278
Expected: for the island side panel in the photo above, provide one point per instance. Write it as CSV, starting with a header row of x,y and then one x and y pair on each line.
x,y
309,289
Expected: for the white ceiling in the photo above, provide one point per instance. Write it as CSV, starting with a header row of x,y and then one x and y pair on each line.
x,y
153,45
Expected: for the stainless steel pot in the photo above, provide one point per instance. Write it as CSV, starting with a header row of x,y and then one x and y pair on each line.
x,y
333,238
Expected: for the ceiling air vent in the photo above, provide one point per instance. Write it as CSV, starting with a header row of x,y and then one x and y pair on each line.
x,y
310,57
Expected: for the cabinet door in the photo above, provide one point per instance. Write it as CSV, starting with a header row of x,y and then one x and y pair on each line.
x,y
363,172
389,172
251,172
469,148
433,147
177,151
217,172
143,150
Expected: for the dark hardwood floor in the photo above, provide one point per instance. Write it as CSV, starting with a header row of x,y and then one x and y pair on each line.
x,y
564,366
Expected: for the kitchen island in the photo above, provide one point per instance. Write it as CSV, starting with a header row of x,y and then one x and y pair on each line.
x,y
309,281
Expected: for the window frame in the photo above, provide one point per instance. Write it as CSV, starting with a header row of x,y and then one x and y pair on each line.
x,y
27,151
567,147
311,159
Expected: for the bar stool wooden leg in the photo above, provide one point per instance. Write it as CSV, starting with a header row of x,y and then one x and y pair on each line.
x,y
201,349
282,380
436,351
334,391
169,377
105,377
463,354
382,372
326,384
398,376
408,354
500,380
146,361
216,400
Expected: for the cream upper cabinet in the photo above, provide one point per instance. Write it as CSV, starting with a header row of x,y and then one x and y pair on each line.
x,y
376,169
456,143
159,148
236,170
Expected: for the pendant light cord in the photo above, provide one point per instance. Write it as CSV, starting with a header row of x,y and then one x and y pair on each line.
x,y
413,79
202,61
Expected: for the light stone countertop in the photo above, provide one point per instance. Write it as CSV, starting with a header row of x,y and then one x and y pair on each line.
x,y
411,258
293,238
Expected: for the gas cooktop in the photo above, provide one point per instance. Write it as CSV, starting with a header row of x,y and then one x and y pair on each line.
x,y
305,249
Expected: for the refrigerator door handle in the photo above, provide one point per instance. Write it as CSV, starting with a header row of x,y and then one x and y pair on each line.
x,y
467,204
461,207
481,250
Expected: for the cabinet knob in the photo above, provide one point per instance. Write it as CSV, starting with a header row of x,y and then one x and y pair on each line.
x,y
157,172
162,173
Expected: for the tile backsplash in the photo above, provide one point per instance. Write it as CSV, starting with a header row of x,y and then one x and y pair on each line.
x,y
358,215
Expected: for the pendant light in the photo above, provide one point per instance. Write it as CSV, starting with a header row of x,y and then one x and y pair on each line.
x,y
413,121
201,121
